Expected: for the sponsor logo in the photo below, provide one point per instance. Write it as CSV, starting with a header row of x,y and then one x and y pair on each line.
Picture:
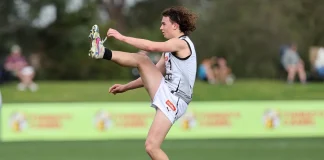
x,y
170,106
271,119
102,120
18,122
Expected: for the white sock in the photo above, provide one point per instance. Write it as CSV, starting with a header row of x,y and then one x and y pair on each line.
x,y
33,87
21,87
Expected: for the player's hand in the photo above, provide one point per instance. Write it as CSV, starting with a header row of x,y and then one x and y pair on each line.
x,y
117,88
114,33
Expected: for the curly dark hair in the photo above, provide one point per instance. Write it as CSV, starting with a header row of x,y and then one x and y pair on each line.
x,y
182,16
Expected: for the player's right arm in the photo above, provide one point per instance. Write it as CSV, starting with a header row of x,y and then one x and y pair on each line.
x,y
138,83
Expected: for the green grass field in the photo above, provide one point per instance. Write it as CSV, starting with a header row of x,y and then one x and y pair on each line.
x,y
92,91
257,149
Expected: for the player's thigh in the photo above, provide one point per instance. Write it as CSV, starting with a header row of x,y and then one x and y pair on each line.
x,y
151,76
159,129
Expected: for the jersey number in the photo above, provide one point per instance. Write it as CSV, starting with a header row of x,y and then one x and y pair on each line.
x,y
168,76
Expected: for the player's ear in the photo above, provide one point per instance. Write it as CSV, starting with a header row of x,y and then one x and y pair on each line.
x,y
175,26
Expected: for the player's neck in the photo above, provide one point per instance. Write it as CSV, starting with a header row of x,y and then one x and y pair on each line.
x,y
178,34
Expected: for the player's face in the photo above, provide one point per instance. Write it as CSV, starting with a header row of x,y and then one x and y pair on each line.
x,y
167,27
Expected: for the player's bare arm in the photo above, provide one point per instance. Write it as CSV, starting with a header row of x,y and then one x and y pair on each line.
x,y
172,45
138,83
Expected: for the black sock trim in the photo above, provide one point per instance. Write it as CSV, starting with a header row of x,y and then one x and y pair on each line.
x,y
108,54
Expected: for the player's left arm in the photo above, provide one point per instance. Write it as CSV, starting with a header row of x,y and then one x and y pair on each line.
x,y
172,45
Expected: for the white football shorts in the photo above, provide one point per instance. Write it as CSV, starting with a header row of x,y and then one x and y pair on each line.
x,y
172,106
26,71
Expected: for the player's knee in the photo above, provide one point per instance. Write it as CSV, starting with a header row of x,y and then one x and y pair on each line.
x,y
149,149
143,60
150,146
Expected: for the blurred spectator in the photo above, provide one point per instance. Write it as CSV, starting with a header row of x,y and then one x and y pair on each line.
x,y
319,62
17,65
293,64
206,70
223,72
283,48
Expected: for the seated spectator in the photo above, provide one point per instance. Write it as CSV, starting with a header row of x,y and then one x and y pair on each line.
x,y
206,70
293,64
319,62
223,72
17,65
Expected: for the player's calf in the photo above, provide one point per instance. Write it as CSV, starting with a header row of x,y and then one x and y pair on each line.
x,y
156,135
131,59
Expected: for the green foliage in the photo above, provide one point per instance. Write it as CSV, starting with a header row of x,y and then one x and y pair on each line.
x,y
148,13
248,33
